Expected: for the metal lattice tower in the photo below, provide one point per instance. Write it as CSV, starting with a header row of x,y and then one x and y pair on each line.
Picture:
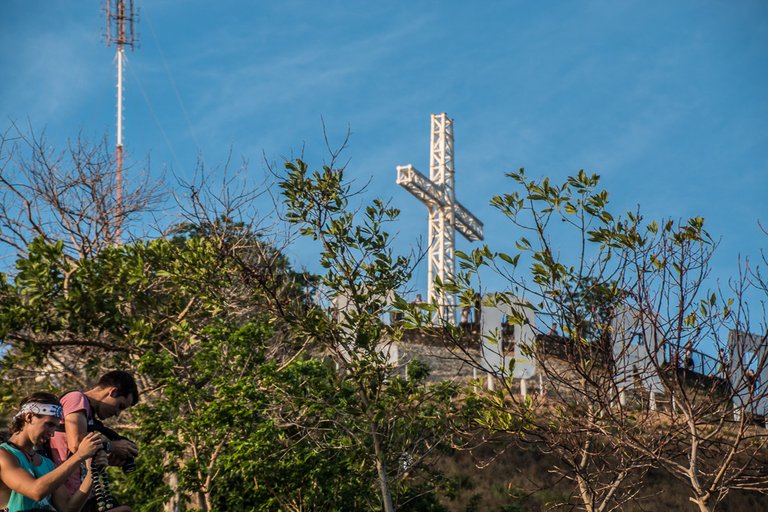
x,y
446,214
120,21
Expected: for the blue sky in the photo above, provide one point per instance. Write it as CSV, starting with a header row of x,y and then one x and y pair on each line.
x,y
666,101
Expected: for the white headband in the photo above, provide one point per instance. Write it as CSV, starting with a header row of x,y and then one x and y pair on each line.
x,y
41,409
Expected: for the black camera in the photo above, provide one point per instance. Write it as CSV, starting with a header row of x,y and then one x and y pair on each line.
x,y
130,464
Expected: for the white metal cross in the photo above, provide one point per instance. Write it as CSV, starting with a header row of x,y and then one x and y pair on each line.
x,y
446,215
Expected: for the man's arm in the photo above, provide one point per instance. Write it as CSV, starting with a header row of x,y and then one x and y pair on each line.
x,y
75,428
17,478
65,502
5,495
122,449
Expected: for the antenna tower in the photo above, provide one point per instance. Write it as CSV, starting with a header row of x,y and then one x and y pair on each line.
x,y
120,21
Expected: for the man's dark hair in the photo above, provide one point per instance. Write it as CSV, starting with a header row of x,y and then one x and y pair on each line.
x,y
123,381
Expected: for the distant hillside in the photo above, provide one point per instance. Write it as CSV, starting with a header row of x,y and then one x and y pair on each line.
x,y
519,480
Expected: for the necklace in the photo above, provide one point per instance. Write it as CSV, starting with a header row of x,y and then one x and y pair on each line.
x,y
30,455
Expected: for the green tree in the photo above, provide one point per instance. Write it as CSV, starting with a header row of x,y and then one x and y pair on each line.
x,y
228,395
158,307
394,425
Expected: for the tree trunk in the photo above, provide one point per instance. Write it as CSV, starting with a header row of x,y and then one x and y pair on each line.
x,y
586,496
202,501
702,504
381,468
172,505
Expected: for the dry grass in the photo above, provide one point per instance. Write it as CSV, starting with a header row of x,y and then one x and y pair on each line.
x,y
519,480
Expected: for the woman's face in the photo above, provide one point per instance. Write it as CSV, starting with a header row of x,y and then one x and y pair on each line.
x,y
41,428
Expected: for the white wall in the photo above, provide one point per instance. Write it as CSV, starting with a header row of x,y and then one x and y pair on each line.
x,y
525,335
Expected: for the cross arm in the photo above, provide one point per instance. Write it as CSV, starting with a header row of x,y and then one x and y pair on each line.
x,y
419,185
467,224
432,195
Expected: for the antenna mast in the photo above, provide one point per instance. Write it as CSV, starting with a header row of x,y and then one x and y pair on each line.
x,y
120,20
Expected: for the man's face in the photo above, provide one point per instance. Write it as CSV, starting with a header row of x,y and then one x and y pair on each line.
x,y
42,427
113,405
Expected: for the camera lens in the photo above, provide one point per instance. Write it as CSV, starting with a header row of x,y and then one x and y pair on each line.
x,y
129,467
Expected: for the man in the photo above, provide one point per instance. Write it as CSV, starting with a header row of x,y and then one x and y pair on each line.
x,y
114,392
688,356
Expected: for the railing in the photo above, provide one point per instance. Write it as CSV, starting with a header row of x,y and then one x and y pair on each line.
x,y
691,360
695,361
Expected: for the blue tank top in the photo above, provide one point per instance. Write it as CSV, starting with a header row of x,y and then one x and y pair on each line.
x,y
18,502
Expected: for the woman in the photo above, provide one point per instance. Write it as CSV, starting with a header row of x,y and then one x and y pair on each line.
x,y
29,480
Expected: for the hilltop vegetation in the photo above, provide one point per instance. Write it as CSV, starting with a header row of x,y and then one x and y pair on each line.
x,y
267,388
